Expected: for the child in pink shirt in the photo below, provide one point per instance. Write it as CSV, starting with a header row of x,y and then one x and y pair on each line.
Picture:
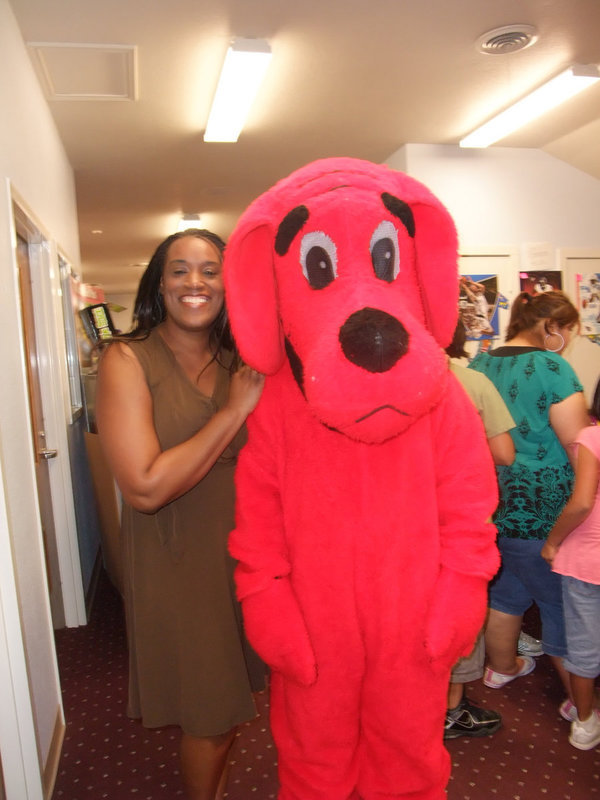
x,y
573,550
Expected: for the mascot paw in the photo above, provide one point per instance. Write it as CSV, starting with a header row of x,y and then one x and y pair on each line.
x,y
276,629
456,616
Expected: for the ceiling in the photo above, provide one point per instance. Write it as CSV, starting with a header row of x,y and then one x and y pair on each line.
x,y
356,78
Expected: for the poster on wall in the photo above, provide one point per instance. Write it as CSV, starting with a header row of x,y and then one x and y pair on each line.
x,y
540,281
588,291
478,304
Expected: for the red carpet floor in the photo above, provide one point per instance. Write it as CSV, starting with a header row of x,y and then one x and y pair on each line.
x,y
107,755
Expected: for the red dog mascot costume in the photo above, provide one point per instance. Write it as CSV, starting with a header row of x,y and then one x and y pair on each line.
x,y
363,492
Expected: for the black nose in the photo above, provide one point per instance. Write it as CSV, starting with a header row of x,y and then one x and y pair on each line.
x,y
373,339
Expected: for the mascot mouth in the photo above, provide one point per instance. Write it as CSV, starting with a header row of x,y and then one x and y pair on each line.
x,y
298,373
382,408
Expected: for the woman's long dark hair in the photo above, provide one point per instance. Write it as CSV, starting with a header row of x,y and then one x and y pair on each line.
x,y
149,308
456,348
527,310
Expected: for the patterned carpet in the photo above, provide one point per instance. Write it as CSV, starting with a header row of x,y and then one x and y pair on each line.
x,y
107,755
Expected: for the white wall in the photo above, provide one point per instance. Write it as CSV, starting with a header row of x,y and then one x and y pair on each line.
x,y
508,196
34,166
507,199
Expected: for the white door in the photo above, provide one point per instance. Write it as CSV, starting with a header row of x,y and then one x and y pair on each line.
x,y
48,378
42,453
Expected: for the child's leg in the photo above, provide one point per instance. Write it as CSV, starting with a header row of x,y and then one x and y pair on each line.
x,y
583,695
582,610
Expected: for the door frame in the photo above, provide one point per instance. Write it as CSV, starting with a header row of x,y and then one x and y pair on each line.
x,y
31,727
18,744
56,402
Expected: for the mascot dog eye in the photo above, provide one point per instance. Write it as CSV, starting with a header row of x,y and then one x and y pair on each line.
x,y
318,257
384,251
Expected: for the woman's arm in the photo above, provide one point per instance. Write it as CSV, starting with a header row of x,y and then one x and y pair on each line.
x,y
580,504
567,418
502,448
148,477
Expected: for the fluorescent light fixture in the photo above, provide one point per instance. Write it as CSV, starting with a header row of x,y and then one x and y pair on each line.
x,y
548,96
188,221
245,65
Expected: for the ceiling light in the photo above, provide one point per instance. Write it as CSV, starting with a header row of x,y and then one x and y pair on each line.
x,y
245,65
551,94
188,221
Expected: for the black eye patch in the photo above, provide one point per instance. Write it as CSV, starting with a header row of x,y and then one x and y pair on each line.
x,y
289,227
401,210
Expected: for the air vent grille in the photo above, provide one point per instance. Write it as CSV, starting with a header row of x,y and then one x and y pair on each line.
x,y
508,39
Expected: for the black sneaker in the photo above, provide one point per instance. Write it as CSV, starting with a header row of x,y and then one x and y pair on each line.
x,y
470,720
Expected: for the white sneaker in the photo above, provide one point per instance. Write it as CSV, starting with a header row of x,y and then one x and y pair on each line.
x,y
496,680
586,735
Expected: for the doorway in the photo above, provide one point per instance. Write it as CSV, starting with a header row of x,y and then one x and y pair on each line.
x,y
41,452
51,413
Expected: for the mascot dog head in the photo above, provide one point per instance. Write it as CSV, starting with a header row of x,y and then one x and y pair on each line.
x,y
348,269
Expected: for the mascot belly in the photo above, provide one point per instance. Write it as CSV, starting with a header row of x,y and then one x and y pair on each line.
x,y
363,494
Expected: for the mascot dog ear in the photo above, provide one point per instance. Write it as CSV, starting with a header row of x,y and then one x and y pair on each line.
x,y
436,252
251,296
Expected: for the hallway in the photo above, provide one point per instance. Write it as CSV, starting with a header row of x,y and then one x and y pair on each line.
x,y
107,755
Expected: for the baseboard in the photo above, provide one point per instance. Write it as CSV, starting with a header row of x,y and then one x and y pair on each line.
x,y
53,760
93,585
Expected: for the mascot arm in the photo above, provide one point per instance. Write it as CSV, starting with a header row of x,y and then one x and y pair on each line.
x,y
276,629
272,617
467,497
456,615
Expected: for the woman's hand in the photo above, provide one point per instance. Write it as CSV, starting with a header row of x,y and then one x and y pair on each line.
x,y
245,389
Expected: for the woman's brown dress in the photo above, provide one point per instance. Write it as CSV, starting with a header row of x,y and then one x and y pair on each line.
x,y
189,662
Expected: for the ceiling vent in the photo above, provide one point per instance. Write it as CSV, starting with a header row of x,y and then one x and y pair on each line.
x,y
508,39
73,71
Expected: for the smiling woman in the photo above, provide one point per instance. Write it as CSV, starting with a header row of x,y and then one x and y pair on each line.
x,y
192,281
171,407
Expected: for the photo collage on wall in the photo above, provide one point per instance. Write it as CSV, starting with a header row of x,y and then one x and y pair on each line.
x,y
478,304
480,300
542,281
588,290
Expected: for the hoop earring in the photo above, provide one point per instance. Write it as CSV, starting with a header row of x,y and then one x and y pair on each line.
x,y
560,346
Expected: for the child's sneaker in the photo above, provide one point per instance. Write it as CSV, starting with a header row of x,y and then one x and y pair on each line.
x,y
470,720
495,680
567,710
586,735
529,646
